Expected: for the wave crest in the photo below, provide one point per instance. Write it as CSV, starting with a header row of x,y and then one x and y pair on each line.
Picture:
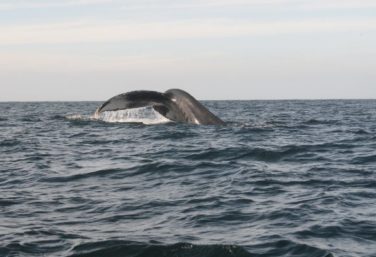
x,y
135,249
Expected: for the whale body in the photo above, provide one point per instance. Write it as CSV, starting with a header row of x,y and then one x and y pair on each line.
x,y
174,104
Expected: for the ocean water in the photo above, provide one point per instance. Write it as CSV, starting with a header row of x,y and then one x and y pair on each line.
x,y
282,178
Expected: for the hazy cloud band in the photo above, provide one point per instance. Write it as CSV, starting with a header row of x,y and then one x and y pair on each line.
x,y
86,32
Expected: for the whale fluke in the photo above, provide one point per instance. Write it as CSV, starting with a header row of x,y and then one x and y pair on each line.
x,y
175,104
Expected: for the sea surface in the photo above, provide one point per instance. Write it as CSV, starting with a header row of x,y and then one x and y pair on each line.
x,y
282,178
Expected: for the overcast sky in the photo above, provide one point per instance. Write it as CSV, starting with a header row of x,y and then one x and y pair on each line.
x,y
214,49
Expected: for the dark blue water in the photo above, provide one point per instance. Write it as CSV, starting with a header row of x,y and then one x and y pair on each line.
x,y
283,178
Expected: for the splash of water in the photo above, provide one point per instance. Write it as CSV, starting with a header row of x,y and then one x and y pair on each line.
x,y
145,115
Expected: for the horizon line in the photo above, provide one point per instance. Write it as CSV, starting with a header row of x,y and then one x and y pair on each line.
x,y
263,99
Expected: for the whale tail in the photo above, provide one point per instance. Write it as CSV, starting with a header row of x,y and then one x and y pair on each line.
x,y
175,104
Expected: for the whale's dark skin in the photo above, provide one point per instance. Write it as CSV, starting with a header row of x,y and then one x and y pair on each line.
x,y
175,104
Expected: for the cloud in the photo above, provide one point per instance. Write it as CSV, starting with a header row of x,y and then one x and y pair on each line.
x,y
163,4
318,4
16,4
117,31
27,61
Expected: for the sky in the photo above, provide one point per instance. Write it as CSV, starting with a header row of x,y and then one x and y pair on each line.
x,y
74,50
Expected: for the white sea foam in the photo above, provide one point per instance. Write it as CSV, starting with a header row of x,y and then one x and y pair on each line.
x,y
145,115
79,117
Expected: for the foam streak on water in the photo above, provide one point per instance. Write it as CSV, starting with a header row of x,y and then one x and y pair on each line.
x,y
282,178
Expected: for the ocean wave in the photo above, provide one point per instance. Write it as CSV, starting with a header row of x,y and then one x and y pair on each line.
x,y
118,248
368,159
135,249
30,119
292,152
10,142
7,202
320,122
79,176
281,179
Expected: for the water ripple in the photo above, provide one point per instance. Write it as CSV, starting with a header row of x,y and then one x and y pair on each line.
x,y
282,178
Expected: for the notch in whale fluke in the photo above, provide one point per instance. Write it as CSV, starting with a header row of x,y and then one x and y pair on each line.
x,y
175,104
